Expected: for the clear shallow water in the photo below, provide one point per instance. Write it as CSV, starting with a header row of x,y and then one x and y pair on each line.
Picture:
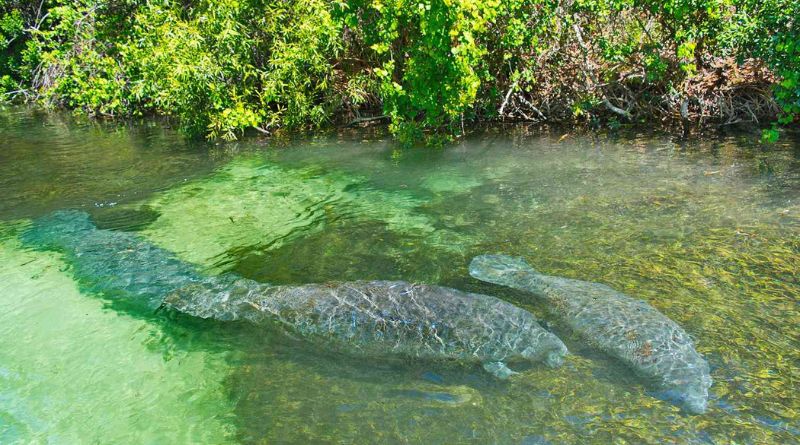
x,y
708,232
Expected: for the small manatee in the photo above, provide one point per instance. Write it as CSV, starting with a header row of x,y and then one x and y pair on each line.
x,y
630,330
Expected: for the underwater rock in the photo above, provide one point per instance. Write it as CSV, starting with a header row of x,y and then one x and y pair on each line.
x,y
630,330
380,318
373,318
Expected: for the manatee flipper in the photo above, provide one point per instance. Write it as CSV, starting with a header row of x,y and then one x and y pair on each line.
x,y
500,269
499,370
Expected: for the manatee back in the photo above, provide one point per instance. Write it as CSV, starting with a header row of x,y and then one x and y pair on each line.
x,y
381,317
649,342
227,297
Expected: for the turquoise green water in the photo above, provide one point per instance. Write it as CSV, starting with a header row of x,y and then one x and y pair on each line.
x,y
708,232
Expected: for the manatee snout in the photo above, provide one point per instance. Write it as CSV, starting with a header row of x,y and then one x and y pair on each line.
x,y
695,399
498,269
690,395
552,356
693,385
696,405
554,359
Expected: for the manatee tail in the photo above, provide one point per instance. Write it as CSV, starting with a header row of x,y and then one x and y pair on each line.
x,y
58,229
502,269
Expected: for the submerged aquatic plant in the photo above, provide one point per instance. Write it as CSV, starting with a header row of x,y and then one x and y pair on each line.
x,y
257,205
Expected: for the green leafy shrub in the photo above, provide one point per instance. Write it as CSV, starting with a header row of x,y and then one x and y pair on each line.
x,y
771,32
221,67
12,26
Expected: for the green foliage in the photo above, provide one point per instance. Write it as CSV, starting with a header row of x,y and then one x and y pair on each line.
x,y
769,136
245,64
438,61
218,66
425,56
11,30
11,27
221,67
769,30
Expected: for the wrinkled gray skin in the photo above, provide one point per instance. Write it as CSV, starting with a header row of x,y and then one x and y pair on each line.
x,y
634,332
373,318
379,318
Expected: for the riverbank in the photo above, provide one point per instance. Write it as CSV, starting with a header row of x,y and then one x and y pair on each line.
x,y
431,70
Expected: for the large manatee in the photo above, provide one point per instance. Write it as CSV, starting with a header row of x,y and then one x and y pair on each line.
x,y
631,330
379,318
372,318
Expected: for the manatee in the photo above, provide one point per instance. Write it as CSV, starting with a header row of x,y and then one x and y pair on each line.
x,y
380,318
119,265
374,318
630,330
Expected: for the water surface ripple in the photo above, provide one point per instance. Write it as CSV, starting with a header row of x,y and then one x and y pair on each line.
x,y
708,232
